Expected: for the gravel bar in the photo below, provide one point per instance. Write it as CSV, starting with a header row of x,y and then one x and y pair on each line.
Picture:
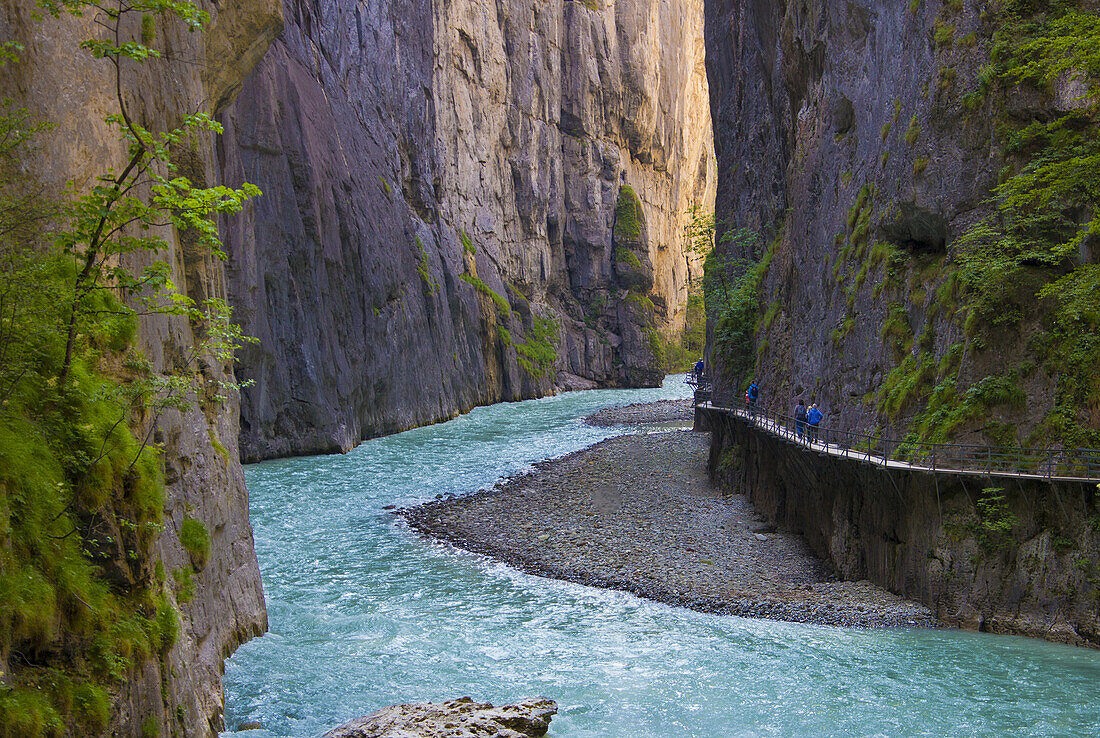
x,y
637,513
663,411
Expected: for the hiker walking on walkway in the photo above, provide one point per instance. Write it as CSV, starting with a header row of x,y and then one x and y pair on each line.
x,y
800,419
751,397
813,419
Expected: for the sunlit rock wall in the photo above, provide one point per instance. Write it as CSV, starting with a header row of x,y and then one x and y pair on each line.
x,y
382,132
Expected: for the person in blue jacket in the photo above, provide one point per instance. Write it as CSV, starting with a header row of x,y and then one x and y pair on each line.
x,y
699,369
813,419
800,419
751,396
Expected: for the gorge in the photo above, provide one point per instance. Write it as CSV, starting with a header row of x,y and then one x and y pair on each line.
x,y
468,203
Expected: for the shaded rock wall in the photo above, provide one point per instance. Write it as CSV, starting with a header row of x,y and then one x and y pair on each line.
x,y
180,693
929,537
417,158
842,138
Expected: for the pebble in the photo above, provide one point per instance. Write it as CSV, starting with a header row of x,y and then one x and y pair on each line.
x,y
695,550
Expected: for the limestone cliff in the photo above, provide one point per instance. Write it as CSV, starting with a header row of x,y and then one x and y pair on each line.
x,y
219,600
863,141
439,227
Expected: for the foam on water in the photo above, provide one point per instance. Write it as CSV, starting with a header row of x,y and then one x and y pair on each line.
x,y
366,614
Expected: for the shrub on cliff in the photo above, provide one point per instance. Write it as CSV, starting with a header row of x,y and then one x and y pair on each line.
x,y
731,288
81,493
1037,246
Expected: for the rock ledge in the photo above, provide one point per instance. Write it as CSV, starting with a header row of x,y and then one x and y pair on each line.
x,y
455,719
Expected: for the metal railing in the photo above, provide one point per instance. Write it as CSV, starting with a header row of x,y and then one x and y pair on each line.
x,y
1050,463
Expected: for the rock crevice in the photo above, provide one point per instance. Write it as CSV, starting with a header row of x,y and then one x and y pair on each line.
x,y
440,187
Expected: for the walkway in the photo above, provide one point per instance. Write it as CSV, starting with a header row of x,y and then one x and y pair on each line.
x,y
1021,463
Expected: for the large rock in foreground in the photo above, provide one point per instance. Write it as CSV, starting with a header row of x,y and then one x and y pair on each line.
x,y
454,719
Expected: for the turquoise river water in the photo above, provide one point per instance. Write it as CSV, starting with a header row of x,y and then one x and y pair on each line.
x,y
366,614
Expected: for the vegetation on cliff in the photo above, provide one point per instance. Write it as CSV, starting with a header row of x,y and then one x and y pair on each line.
x,y
1032,261
82,602
731,288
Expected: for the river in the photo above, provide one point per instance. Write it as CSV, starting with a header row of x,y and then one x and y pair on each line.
x,y
366,614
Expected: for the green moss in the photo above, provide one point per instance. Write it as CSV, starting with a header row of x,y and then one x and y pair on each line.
x,y
185,584
913,132
624,255
629,216
914,6
502,305
538,353
905,384
195,540
385,184
920,164
424,270
467,243
841,332
504,335
885,132
25,713
216,444
896,331
642,302
943,34
947,77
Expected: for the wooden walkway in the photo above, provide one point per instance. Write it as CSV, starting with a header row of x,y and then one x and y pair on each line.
x,y
1075,465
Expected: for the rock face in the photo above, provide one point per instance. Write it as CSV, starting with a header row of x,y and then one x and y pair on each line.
x,y
441,226
842,138
461,718
179,693
1020,561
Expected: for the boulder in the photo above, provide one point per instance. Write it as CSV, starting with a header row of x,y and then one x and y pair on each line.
x,y
459,718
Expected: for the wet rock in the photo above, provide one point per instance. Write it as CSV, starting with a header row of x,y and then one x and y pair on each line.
x,y
461,718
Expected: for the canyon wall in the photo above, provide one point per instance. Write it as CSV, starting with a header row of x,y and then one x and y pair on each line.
x,y
991,553
859,142
219,600
464,203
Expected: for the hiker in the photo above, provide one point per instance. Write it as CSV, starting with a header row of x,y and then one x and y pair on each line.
x,y
800,419
751,395
813,418
699,369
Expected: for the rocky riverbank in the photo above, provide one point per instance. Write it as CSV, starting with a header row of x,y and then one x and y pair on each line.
x,y
662,411
638,513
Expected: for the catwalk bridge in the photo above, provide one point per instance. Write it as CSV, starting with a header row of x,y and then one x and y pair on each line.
x,y
875,449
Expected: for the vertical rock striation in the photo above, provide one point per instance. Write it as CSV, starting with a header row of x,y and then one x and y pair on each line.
x,y
441,186
845,137
180,693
